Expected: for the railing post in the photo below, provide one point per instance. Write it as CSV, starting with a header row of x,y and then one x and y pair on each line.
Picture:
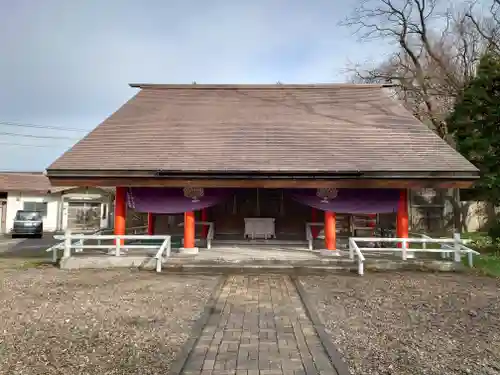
x,y
169,246
404,251
470,256
118,244
457,245
54,254
67,243
351,249
443,253
209,235
158,263
361,269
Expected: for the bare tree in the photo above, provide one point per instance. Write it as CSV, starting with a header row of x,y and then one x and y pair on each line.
x,y
437,49
436,52
486,22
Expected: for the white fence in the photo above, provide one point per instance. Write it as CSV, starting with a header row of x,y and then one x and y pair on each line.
x,y
76,243
309,236
60,245
447,245
116,245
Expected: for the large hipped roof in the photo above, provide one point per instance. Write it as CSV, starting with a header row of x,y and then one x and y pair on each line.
x,y
261,128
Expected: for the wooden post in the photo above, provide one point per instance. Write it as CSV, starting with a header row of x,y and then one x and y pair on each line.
x,y
372,223
151,224
204,218
330,231
189,230
120,212
314,219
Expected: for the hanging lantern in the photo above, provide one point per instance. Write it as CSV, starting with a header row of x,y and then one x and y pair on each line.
x,y
327,194
194,193
428,194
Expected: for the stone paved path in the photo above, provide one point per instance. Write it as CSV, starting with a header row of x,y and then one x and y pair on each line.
x,y
259,327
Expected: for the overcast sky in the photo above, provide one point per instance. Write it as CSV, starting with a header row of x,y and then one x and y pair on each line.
x,y
67,63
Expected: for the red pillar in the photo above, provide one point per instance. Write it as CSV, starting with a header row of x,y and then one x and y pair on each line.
x,y
314,219
189,232
373,223
151,224
330,231
120,210
204,218
402,217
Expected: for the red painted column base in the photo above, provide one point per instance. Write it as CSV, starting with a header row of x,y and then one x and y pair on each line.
x,y
402,224
330,231
189,234
204,217
120,211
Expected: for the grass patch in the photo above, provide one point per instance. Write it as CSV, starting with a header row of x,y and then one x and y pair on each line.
x,y
487,264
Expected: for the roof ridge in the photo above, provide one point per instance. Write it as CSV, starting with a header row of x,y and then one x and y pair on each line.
x,y
254,86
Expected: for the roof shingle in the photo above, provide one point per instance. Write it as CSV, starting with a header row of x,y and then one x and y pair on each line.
x,y
24,181
265,128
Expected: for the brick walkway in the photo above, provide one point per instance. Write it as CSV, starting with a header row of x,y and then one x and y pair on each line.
x,y
259,327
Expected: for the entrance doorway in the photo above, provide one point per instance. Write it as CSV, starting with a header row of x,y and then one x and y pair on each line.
x,y
289,216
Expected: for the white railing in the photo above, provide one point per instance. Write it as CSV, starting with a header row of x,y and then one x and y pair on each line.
x,y
447,254
142,229
354,250
210,233
309,236
117,243
166,247
60,245
458,247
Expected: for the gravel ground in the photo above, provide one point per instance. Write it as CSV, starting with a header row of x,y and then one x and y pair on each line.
x,y
412,323
95,322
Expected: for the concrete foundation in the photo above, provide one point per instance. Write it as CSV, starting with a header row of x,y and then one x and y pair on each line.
x,y
285,262
104,262
190,251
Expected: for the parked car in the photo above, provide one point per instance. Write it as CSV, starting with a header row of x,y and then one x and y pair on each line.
x,y
27,223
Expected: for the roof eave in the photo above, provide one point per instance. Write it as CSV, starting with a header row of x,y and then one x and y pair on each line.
x,y
227,174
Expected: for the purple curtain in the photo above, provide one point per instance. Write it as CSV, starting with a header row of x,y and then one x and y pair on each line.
x,y
171,200
352,201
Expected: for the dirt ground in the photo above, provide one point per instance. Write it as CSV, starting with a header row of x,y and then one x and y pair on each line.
x,y
412,323
95,322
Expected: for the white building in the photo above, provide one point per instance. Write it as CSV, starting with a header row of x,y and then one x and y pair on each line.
x,y
78,209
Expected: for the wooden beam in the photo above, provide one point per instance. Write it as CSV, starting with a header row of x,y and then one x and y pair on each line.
x,y
273,184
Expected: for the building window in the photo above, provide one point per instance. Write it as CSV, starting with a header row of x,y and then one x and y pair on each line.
x,y
36,206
